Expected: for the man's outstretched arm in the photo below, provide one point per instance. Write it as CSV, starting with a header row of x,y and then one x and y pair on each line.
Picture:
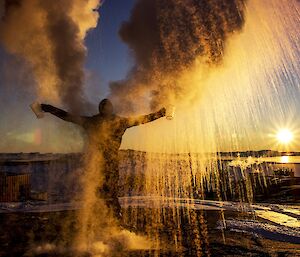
x,y
146,118
62,114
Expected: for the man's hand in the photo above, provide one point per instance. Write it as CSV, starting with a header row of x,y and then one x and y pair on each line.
x,y
46,107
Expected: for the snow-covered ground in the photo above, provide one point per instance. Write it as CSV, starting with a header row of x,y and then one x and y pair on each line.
x,y
283,215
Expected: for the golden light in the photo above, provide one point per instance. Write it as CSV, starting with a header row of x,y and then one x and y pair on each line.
x,y
284,159
284,136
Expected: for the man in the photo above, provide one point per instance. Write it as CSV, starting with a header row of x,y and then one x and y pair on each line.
x,y
105,131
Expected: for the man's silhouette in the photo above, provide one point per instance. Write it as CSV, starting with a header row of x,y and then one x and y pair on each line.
x,y
105,131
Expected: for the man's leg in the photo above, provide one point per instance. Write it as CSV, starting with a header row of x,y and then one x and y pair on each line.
x,y
107,193
109,190
114,190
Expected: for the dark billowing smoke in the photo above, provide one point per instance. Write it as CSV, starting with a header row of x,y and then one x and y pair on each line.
x,y
1,8
166,37
49,36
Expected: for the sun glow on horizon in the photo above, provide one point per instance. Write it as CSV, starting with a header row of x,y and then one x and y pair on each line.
x,y
284,136
284,159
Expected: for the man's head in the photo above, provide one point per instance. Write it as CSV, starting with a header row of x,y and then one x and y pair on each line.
x,y
106,108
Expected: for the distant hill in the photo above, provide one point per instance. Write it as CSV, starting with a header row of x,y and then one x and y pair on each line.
x,y
36,156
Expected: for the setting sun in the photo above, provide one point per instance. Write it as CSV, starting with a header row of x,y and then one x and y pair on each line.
x,y
284,136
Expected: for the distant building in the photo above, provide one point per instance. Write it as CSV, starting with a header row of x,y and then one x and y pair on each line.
x,y
34,176
14,187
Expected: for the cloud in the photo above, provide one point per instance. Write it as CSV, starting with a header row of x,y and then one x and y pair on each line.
x,y
50,38
167,38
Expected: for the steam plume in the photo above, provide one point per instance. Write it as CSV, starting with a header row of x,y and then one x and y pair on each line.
x,y
49,36
167,37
